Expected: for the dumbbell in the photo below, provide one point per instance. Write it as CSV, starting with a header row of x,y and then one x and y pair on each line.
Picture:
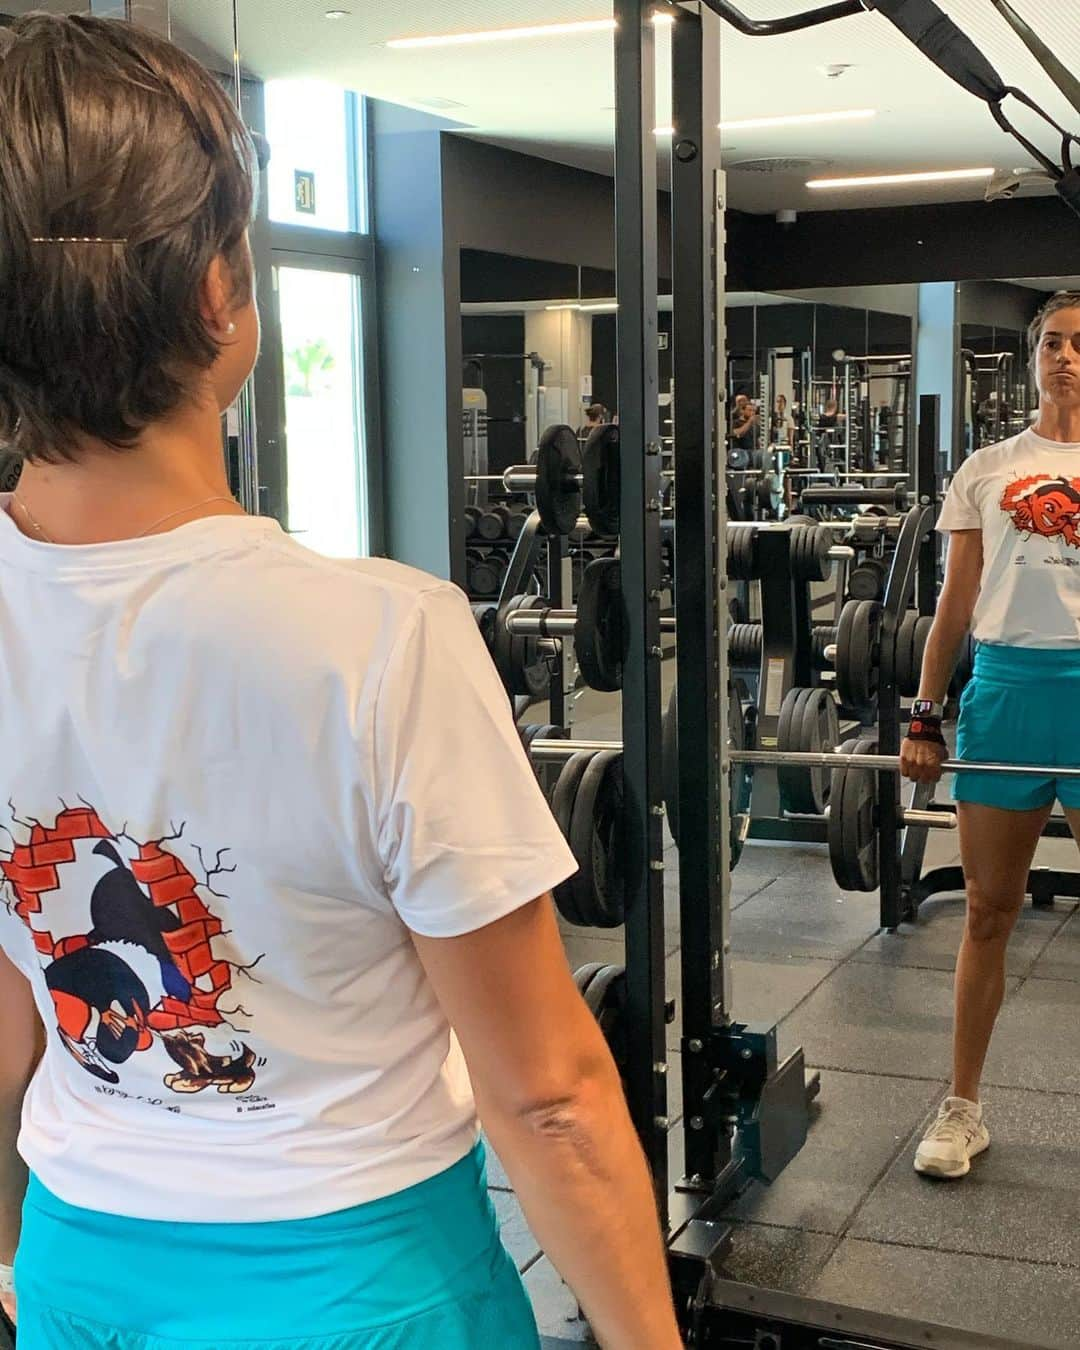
x,y
565,478
492,523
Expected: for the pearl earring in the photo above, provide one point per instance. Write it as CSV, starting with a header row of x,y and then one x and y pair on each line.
x,y
230,328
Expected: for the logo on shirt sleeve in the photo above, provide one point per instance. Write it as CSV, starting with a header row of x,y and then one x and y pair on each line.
x,y
1046,506
133,966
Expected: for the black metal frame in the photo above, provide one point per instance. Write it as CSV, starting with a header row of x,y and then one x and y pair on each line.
x,y
731,1072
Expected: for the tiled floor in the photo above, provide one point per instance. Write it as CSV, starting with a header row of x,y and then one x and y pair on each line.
x,y
849,1221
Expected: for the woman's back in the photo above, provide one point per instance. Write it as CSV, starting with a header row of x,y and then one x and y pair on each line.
x,y
211,851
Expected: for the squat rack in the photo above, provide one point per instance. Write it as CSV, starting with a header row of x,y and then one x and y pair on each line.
x,y
730,1072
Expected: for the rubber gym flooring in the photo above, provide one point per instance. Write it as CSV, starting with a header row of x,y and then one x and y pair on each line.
x,y
850,1221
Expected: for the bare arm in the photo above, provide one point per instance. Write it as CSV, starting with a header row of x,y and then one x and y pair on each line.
x,y
551,1101
20,1048
952,621
921,760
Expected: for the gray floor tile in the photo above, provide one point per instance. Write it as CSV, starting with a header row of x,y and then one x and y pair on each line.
x,y
776,1258
496,1172
1037,1306
1022,1198
1061,959
860,1122
584,945
556,1309
878,1019
517,1236
766,989
934,940
793,918
1037,1039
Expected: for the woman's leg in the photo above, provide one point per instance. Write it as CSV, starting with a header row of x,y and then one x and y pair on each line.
x,y
996,848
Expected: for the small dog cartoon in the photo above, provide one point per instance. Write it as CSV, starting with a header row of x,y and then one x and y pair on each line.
x,y
229,1073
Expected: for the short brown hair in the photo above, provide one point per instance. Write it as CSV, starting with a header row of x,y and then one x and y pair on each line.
x,y
108,132
1061,300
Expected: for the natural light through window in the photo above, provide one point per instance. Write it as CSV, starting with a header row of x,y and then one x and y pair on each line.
x,y
307,125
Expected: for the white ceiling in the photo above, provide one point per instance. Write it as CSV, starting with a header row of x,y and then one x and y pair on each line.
x,y
554,96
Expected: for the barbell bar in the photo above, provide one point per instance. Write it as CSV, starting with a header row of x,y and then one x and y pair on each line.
x,y
554,752
887,763
554,623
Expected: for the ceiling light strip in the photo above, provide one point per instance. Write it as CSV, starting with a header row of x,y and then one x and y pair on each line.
x,y
505,34
899,179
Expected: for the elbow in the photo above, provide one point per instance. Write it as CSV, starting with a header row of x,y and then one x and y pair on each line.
x,y
566,1106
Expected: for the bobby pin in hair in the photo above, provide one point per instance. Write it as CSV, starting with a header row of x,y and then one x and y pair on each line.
x,y
77,240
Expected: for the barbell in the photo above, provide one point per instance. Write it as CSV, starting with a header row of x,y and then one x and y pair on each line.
x,y
547,751
836,759
565,478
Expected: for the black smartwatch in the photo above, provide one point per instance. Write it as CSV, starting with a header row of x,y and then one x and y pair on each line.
x,y
924,710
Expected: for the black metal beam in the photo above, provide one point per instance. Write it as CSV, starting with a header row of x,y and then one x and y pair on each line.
x,y
793,23
639,425
697,263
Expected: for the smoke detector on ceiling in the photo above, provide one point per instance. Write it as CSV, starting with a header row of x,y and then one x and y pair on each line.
x,y
780,164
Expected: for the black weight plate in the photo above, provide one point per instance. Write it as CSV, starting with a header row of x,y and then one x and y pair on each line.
x,y
562,808
489,526
819,733
535,669
605,997
907,675
472,515
835,829
792,779
502,646
484,577
558,488
601,479
859,822
823,636
741,774
741,554
599,633
918,646
670,757
867,581
515,523
856,652
485,621
744,645
596,838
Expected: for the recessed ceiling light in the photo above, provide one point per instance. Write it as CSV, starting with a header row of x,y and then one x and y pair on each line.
x,y
540,30
338,13
896,179
799,119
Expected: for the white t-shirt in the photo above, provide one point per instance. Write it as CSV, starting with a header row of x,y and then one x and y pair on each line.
x,y
237,771
1024,494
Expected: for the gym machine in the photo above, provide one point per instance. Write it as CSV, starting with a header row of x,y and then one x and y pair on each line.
x,y
745,1114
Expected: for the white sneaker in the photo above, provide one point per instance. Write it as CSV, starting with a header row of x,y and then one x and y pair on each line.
x,y
957,1136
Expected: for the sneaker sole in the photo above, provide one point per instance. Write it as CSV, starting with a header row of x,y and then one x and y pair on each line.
x,y
941,1173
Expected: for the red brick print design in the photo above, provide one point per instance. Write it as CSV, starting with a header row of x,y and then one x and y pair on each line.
x,y
32,872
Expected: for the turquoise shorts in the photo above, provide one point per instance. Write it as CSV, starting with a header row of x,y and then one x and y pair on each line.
x,y
1021,706
421,1270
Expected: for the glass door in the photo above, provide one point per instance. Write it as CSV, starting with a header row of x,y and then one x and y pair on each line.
x,y
321,324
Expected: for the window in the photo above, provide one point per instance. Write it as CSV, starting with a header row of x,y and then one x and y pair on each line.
x,y
317,160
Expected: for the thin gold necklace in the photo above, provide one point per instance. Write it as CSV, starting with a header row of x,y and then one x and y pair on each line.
x,y
142,533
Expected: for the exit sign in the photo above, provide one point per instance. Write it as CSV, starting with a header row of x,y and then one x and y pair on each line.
x,y
305,192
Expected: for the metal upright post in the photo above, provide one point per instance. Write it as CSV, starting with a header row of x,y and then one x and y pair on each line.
x,y
700,517
639,425
928,493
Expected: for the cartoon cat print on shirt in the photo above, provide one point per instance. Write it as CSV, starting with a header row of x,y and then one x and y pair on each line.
x,y
1045,506
143,968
